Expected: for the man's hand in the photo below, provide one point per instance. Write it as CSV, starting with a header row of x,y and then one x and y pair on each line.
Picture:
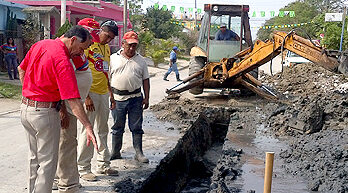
x,y
145,103
89,104
170,64
91,137
112,103
64,118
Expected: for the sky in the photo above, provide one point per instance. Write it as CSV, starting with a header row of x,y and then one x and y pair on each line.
x,y
254,5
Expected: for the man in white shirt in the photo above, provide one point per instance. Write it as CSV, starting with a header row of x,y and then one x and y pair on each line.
x,y
128,72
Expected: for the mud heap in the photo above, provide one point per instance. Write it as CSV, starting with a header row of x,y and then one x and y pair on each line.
x,y
315,116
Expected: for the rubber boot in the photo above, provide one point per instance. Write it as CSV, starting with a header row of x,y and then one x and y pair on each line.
x,y
116,146
165,76
178,77
137,144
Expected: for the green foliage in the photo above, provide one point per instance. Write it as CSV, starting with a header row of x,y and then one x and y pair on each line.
x,y
31,32
304,13
332,33
188,40
64,28
11,25
325,6
10,91
156,49
137,21
159,21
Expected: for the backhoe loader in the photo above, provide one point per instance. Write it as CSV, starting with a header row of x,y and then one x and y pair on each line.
x,y
236,71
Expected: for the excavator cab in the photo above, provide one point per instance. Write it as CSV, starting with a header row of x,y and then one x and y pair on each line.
x,y
209,48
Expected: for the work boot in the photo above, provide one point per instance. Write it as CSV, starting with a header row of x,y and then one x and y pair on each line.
x,y
165,76
107,171
137,144
116,146
178,77
90,177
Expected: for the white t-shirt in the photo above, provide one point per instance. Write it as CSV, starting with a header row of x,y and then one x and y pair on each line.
x,y
127,74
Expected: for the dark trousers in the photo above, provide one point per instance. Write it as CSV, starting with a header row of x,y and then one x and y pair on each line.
x,y
11,61
132,107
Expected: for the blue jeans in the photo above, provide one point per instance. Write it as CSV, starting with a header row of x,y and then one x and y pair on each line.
x,y
174,68
11,61
134,108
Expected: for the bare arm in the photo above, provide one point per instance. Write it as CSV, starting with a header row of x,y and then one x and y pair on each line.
x,y
146,87
79,112
21,73
112,100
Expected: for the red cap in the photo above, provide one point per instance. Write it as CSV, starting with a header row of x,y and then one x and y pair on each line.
x,y
131,37
92,26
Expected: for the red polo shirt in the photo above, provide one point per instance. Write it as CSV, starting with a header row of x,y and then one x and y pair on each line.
x,y
49,75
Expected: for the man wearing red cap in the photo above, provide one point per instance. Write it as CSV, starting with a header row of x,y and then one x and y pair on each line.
x,y
67,176
128,74
97,105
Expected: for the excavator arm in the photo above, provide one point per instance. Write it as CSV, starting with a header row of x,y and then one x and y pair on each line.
x,y
230,72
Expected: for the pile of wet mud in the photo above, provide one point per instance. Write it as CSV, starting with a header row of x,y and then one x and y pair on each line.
x,y
315,117
182,112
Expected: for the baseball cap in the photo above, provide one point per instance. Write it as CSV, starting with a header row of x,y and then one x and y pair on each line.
x,y
92,26
222,25
112,25
175,48
131,37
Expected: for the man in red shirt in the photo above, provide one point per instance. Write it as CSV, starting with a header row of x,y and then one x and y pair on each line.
x,y
48,77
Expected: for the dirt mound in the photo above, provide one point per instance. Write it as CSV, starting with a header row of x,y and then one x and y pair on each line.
x,y
316,118
305,79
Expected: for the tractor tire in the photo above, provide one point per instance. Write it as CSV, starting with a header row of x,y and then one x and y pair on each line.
x,y
196,64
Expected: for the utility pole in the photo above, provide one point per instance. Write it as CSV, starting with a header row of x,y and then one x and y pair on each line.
x,y
125,17
343,22
62,12
195,14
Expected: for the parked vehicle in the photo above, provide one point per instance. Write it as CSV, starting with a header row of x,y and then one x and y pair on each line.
x,y
292,59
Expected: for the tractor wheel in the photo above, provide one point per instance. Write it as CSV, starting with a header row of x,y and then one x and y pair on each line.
x,y
196,64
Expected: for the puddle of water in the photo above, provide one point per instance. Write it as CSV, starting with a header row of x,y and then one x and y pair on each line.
x,y
254,147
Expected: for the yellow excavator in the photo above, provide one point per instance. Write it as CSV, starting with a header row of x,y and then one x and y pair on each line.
x,y
238,70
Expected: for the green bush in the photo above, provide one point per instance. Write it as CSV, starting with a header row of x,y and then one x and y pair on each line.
x,y
64,28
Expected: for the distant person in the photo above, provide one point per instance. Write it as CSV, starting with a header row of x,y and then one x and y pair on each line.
x,y
48,77
97,105
10,52
226,34
172,65
128,74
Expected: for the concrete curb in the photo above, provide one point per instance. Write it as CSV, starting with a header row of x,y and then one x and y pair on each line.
x,y
9,112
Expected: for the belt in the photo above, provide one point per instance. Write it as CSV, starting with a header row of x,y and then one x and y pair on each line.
x,y
39,104
125,92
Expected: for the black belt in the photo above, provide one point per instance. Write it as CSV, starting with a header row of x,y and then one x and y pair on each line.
x,y
125,92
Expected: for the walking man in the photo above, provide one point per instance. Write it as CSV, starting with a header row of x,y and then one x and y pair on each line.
x,y
97,105
172,65
48,77
128,74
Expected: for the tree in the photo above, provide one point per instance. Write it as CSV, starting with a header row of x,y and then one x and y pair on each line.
x,y
304,13
160,22
325,6
332,33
